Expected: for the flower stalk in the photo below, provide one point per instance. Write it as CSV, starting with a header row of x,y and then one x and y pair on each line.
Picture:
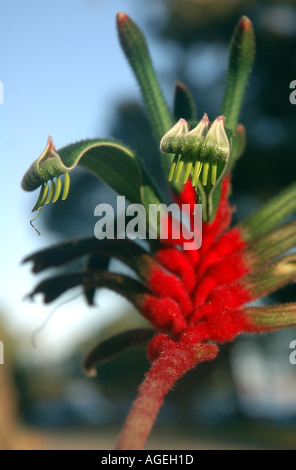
x,y
160,379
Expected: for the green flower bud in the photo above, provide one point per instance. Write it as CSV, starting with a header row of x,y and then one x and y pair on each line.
x,y
216,143
173,141
198,150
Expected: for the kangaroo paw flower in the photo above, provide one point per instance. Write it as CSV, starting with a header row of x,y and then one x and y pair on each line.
x,y
194,299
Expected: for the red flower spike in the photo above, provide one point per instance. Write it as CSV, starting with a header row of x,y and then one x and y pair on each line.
x,y
168,285
187,196
223,328
164,314
159,345
229,243
221,222
218,275
176,262
213,286
194,334
204,290
195,299
230,296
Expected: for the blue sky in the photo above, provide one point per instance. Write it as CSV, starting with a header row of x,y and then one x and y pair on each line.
x,y
62,70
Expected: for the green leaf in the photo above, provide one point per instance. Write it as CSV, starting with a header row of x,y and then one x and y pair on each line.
x,y
125,250
272,244
242,52
271,214
111,162
272,317
63,253
55,286
270,278
184,105
137,53
117,344
95,262
239,145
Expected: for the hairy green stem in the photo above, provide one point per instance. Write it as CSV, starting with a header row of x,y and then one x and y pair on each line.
x,y
272,244
242,52
137,53
273,316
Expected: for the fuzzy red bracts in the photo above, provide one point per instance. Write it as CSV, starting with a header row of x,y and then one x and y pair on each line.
x,y
196,295
195,302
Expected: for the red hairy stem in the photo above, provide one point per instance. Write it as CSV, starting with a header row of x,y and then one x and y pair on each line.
x,y
163,374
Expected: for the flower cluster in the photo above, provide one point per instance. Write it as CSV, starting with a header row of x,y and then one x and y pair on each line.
x,y
199,149
195,300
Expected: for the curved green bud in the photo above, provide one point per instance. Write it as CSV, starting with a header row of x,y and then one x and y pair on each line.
x,y
196,172
201,149
46,167
198,135
174,140
58,189
51,192
216,144
66,186
110,161
41,197
44,195
200,130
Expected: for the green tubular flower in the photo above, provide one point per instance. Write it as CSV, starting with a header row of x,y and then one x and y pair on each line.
x,y
114,163
201,151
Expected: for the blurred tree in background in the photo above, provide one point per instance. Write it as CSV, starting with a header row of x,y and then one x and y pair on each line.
x,y
13,435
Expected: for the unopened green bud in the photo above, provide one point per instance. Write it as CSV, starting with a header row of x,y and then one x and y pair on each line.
x,y
198,150
217,144
201,130
173,141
